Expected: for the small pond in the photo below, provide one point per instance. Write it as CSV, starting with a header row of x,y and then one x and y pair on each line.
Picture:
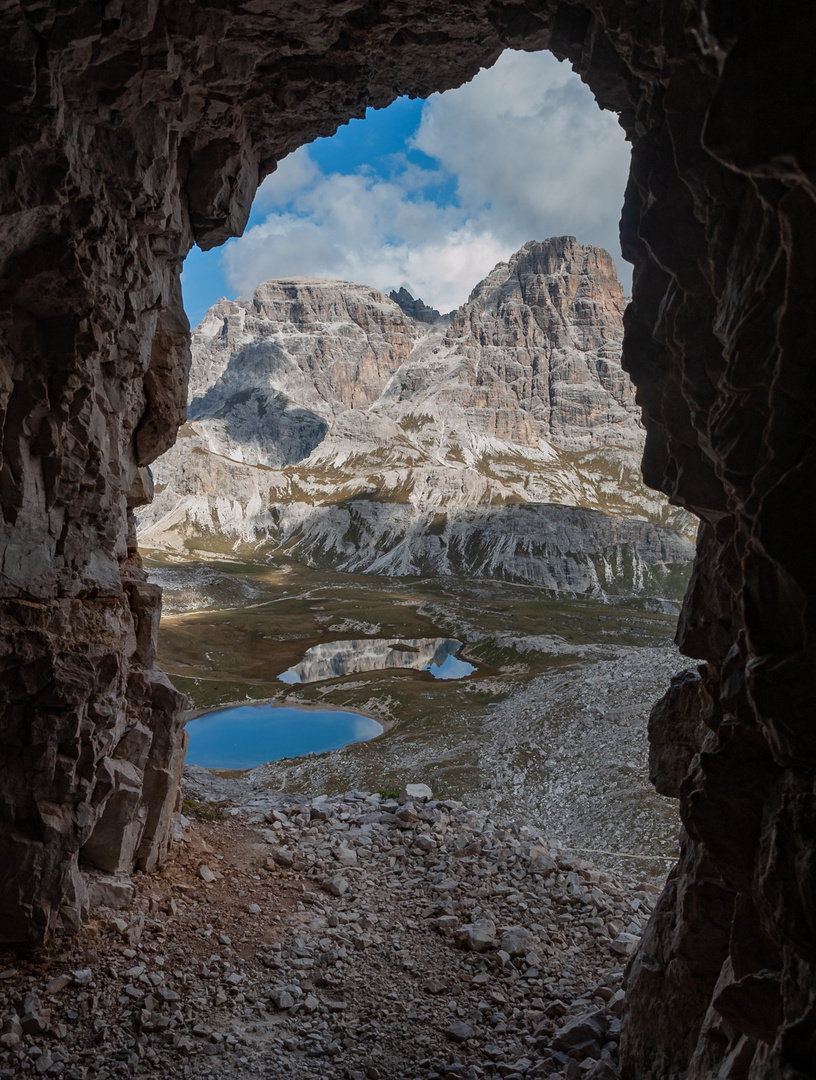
x,y
249,735
333,659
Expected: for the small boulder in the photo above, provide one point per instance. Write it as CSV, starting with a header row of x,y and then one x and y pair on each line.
x,y
407,815
522,1065
583,1035
34,1023
282,999
346,856
603,1070
282,856
336,885
108,890
517,941
415,793
476,936
624,944
458,1031
543,863
447,925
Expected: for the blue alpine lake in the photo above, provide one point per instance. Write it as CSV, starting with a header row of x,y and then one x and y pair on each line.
x,y
450,668
249,735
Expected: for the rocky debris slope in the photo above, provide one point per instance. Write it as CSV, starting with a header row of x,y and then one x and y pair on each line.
x,y
585,767
349,430
567,753
346,937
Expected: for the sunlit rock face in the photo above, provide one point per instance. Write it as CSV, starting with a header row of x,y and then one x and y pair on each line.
x,y
329,424
329,345
541,336
128,134
333,659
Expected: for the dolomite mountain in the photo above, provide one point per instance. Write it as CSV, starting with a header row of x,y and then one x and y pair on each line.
x,y
347,429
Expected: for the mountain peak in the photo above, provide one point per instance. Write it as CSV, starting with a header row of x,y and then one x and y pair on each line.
x,y
563,254
415,308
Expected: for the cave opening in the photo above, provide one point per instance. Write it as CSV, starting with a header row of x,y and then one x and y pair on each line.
x,y
563,168
131,135
563,164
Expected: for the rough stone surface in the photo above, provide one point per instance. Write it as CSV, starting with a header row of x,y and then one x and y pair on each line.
x,y
415,793
260,973
414,307
476,936
544,331
130,132
327,424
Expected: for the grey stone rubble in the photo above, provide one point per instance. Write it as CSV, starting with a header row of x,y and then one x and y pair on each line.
x,y
379,937
567,752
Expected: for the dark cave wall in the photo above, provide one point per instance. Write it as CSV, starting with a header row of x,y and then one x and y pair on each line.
x,y
132,131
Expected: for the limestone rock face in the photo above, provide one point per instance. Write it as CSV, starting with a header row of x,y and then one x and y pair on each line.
x,y
130,132
414,307
328,423
330,343
542,337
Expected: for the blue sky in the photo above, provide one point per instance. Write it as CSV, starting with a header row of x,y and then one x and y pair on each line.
x,y
430,195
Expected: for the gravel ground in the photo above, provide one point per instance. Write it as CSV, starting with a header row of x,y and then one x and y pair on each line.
x,y
566,753
350,937
569,752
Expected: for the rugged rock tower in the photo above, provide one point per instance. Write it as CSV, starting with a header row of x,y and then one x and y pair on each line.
x,y
130,132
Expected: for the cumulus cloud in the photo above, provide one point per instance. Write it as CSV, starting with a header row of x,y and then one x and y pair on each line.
x,y
361,228
532,152
522,152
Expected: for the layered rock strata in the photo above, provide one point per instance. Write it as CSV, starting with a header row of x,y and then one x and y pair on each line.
x,y
414,307
343,429
131,132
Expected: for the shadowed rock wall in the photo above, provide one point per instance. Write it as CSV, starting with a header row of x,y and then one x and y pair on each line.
x,y
132,130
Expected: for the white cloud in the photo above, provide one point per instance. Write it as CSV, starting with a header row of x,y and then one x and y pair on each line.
x,y
361,228
294,174
528,140
531,155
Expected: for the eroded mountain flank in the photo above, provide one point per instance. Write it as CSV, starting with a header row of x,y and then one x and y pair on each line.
x,y
326,422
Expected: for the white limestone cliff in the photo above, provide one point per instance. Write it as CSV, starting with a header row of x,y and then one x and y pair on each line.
x,y
326,423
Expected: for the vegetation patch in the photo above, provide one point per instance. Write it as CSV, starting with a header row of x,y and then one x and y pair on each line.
x,y
416,421
202,810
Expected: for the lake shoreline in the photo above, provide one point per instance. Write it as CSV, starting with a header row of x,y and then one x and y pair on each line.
x,y
296,715
196,714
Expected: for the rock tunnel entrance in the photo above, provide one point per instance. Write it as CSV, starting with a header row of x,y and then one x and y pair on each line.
x,y
130,134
